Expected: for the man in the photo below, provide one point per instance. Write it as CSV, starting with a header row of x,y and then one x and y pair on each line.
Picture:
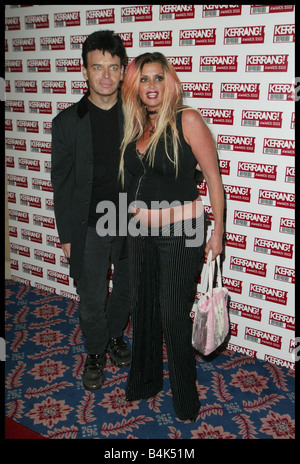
x,y
85,160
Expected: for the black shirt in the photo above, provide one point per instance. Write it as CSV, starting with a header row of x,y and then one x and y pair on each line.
x,y
158,183
106,158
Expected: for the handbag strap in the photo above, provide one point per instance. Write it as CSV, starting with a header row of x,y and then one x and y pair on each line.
x,y
219,274
208,272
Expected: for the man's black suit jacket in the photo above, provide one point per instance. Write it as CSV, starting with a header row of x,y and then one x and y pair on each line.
x,y
72,176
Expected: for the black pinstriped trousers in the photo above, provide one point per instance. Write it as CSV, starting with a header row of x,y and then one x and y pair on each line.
x,y
160,297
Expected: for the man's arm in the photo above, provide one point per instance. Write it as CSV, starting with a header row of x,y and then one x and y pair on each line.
x,y
63,180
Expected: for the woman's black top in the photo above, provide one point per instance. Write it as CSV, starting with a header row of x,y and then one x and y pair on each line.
x,y
159,183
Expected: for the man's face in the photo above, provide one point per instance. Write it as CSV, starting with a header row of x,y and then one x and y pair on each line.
x,y
103,72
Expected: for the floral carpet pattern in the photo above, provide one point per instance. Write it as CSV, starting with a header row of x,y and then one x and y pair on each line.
x,y
241,397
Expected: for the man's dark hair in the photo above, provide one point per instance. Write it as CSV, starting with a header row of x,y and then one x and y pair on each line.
x,y
106,41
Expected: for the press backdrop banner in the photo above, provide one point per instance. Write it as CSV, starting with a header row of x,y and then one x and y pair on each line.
x,y
235,63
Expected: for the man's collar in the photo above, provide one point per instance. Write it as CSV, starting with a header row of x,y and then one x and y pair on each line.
x,y
82,109
82,105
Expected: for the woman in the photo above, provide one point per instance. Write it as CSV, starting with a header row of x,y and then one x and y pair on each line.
x,y
163,143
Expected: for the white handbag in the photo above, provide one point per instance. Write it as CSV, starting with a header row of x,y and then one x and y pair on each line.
x,y
211,321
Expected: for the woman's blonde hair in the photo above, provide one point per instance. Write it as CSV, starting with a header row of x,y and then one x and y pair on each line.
x,y
135,114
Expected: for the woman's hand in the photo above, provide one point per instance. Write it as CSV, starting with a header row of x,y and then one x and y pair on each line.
x,y
215,244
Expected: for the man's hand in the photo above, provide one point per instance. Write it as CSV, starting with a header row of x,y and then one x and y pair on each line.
x,y
66,249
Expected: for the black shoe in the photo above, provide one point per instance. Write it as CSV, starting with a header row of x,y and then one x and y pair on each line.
x,y
93,373
119,352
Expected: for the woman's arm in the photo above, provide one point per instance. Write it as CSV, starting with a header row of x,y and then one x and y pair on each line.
x,y
198,136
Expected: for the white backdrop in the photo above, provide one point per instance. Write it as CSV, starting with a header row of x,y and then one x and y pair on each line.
x,y
236,65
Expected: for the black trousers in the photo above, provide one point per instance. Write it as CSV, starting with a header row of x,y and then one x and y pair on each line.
x,y
160,304
100,319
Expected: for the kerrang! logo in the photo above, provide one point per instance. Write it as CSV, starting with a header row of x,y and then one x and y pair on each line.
x,y
39,65
285,274
264,338
71,18
243,350
155,38
25,45
27,126
33,270
284,33
102,16
266,63
233,285
13,66
274,295
218,63
251,219
37,21
41,146
42,107
181,63
52,240
258,118
197,37
127,38
279,147
67,65
281,362
136,13
176,12
58,277
11,197
20,216
12,24
287,225
31,201
241,35
236,143
31,235
273,247
217,115
30,164
281,92
240,91
221,10
276,198
257,170
54,87
197,89
17,181
16,106
52,43
20,249
238,193
15,144
45,256
248,266
243,310
236,240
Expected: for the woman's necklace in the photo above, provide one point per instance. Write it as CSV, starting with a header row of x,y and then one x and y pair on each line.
x,y
152,128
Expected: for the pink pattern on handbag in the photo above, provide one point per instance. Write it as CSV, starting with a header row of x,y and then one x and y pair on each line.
x,y
211,321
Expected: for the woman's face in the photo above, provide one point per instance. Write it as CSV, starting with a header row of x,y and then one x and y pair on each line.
x,y
152,86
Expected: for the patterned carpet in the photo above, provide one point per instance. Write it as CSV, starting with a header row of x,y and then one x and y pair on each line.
x,y
241,397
